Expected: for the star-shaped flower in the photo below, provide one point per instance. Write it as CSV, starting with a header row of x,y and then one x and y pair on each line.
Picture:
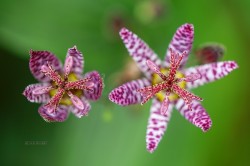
x,y
62,89
166,82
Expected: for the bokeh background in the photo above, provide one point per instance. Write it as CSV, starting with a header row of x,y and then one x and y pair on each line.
x,y
113,135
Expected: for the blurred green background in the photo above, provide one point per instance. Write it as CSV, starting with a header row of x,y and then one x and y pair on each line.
x,y
113,135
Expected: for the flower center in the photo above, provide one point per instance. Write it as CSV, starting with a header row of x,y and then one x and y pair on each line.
x,y
65,100
157,79
170,83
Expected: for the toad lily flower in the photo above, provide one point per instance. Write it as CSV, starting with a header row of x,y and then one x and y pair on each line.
x,y
167,83
62,89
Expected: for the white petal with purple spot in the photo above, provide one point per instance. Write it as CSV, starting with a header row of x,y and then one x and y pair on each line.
x,y
210,72
139,51
81,112
127,94
60,115
40,58
78,61
181,41
198,116
157,124
37,98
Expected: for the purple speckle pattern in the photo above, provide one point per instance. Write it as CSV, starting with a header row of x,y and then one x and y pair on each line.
x,y
210,72
181,41
198,116
139,51
84,112
41,98
98,87
126,94
39,58
157,124
45,58
78,62
60,115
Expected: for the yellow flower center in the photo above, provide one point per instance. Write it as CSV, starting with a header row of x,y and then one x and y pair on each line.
x,y
157,79
65,100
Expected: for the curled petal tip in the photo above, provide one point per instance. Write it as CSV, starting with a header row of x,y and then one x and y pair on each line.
x,y
123,31
234,65
188,27
206,127
151,147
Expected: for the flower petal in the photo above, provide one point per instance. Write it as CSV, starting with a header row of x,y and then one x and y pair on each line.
x,y
181,41
126,94
210,72
157,124
139,51
60,115
36,98
97,87
198,116
78,62
40,58
81,112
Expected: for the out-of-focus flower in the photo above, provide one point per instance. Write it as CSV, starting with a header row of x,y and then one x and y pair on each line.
x,y
210,52
157,76
63,89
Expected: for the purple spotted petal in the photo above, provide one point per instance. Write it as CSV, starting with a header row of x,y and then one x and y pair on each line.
x,y
40,58
157,124
210,72
81,112
97,87
41,98
60,115
77,60
181,41
139,51
198,116
126,94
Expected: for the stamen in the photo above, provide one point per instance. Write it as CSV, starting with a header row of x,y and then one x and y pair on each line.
x,y
170,83
80,84
193,77
186,95
52,74
172,56
42,90
53,103
156,69
180,59
68,66
76,101
51,108
165,104
45,69
149,91
90,84
190,78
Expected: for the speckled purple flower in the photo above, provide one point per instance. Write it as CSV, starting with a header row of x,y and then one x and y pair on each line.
x,y
62,89
167,82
